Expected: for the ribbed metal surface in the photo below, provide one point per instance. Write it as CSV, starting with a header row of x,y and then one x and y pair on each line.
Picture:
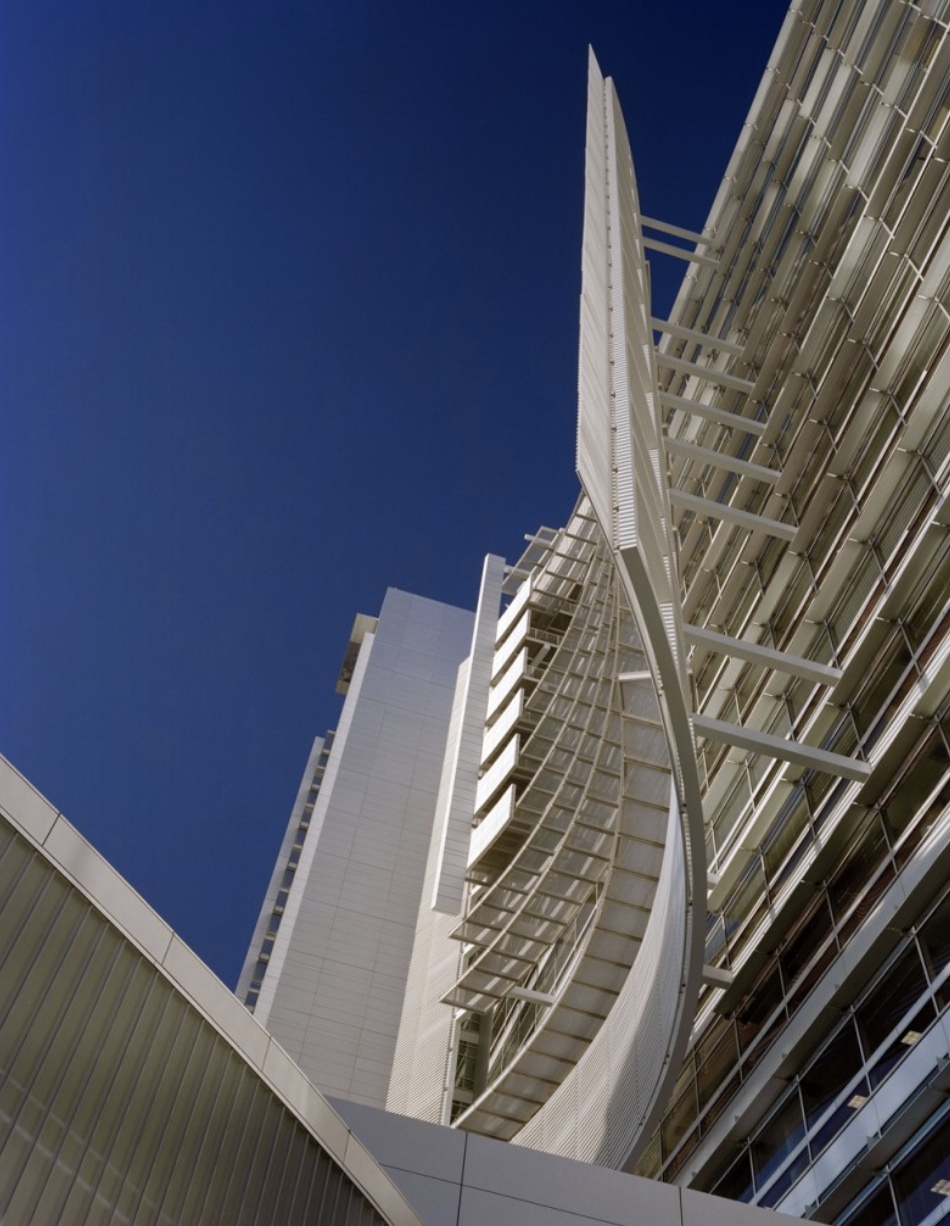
x,y
588,841
620,457
119,1103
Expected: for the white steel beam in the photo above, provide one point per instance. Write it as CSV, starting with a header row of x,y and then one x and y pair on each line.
x,y
697,409
535,998
778,747
651,223
716,976
707,374
690,334
732,515
693,257
755,653
706,455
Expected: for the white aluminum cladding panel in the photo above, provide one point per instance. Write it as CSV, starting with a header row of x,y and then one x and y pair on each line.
x,y
511,614
491,825
367,851
502,728
508,647
500,692
497,775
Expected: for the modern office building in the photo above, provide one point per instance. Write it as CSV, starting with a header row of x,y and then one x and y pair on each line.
x,y
816,1076
644,863
683,906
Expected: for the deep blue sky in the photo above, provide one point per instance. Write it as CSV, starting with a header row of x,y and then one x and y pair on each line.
x,y
288,314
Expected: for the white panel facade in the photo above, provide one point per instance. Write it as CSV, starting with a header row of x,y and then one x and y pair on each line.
x,y
427,1046
333,992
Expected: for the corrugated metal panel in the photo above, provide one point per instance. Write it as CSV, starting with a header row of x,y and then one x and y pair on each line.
x,y
120,1102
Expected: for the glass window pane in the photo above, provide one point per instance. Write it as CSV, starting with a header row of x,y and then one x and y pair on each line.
x,y
720,1063
935,938
759,1006
791,822
778,1138
795,1168
715,936
896,993
883,676
860,1092
721,1100
904,810
849,883
831,1072
678,1120
918,1175
648,1164
748,896
867,904
811,933
736,1184
897,1049
877,1210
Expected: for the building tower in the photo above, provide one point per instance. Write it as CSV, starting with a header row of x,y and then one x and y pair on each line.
x,y
645,862
327,966
684,906
816,1075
